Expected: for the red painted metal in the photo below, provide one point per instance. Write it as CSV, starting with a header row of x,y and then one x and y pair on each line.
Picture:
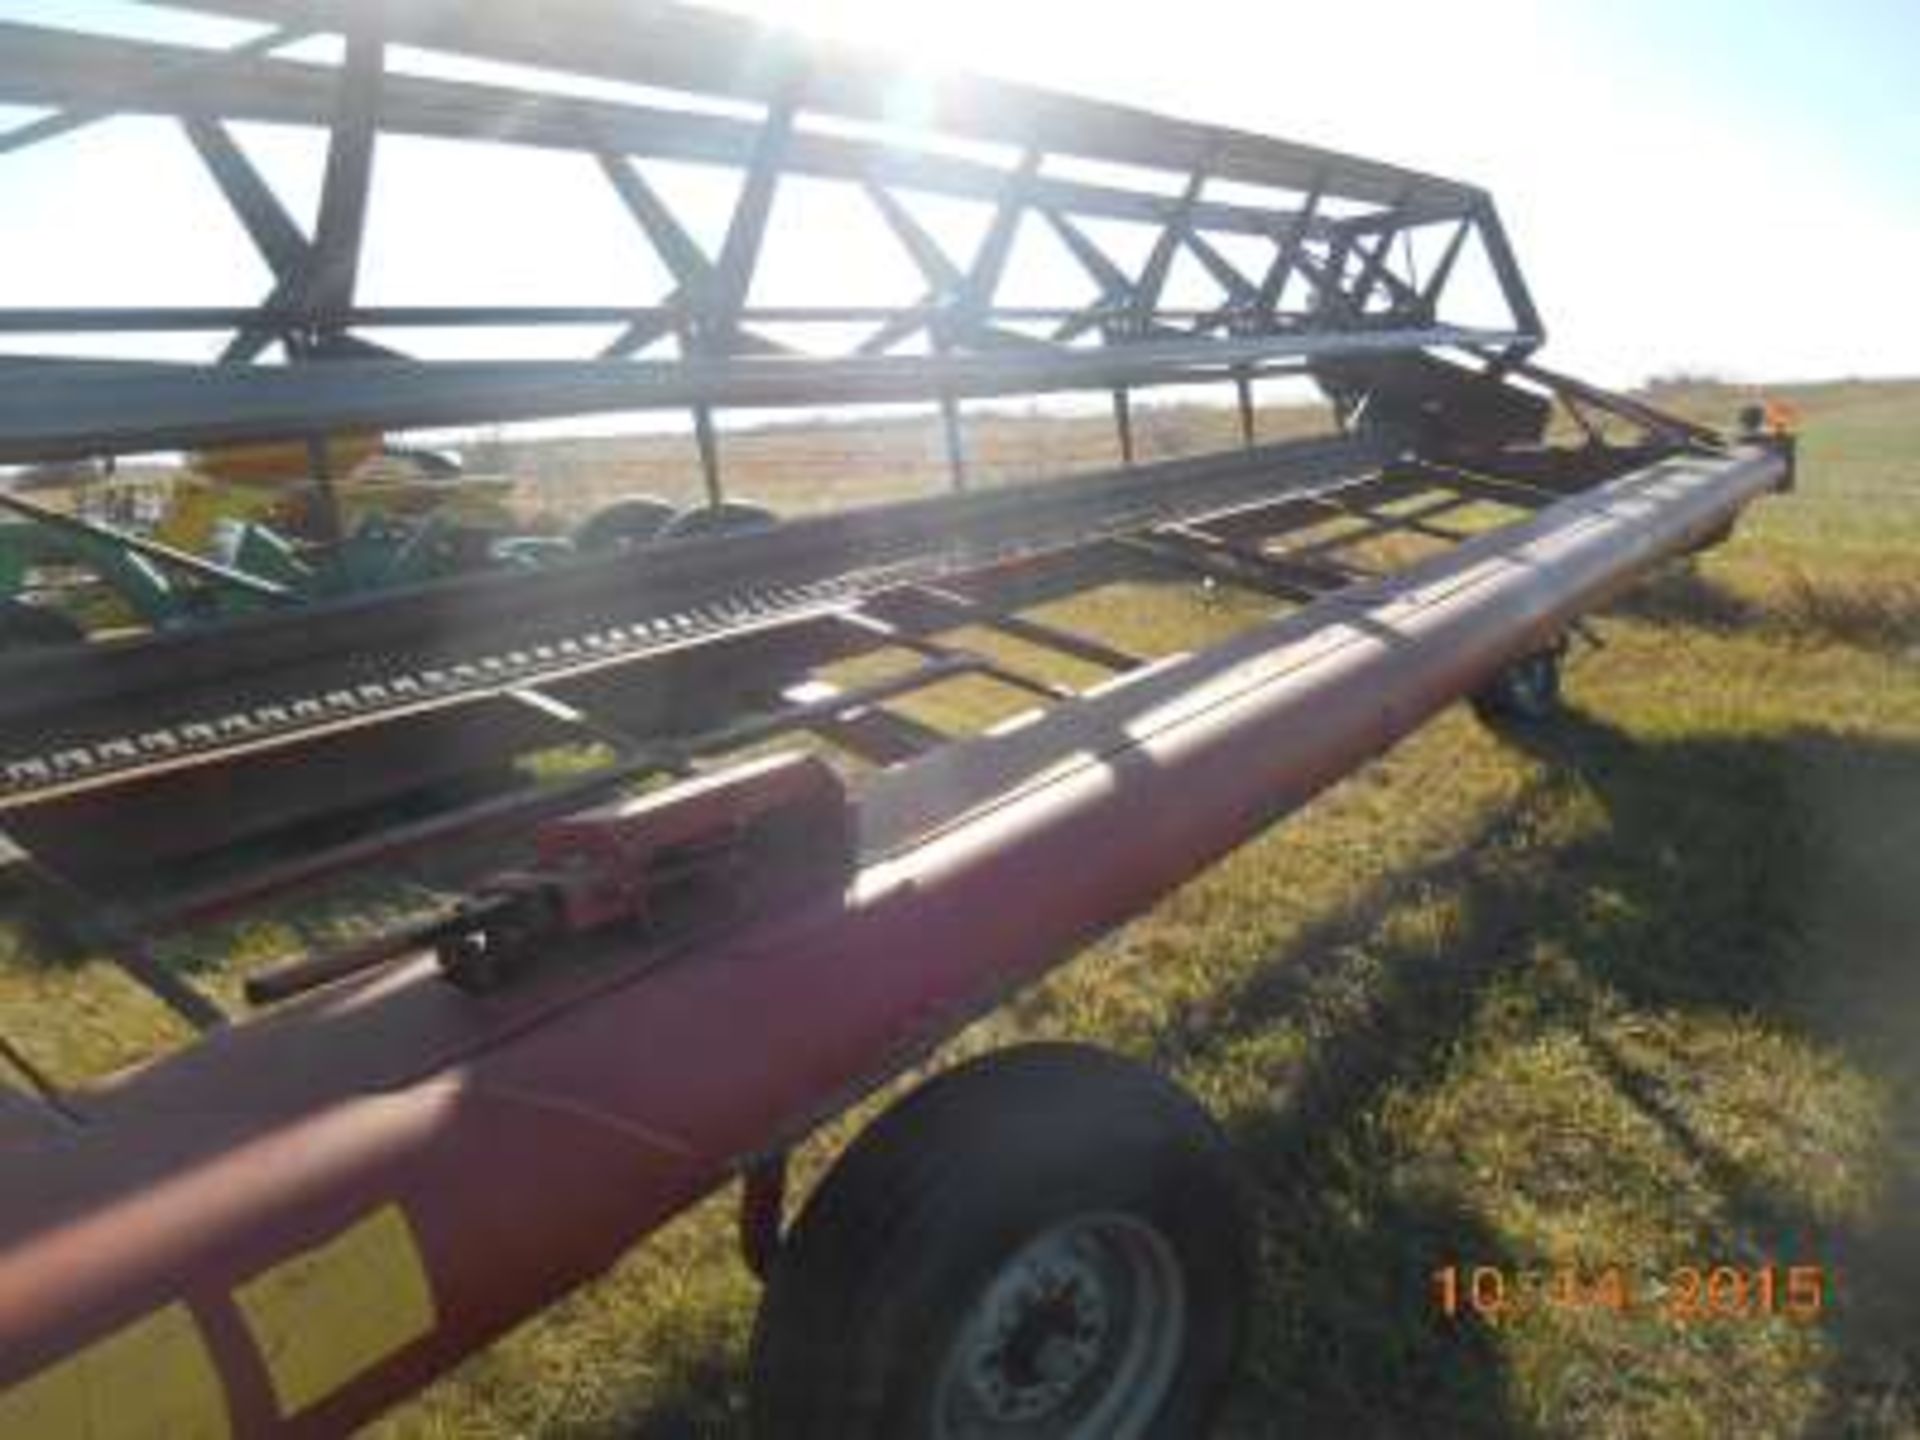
x,y
607,862
533,1135
747,836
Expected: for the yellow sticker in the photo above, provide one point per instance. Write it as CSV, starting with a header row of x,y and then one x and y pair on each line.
x,y
155,1377
330,1314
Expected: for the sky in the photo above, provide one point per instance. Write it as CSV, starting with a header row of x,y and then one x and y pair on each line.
x,y
1710,185
1697,186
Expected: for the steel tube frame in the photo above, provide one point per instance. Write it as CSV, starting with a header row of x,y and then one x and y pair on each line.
x,y
62,410
699,51
59,409
505,1149
471,631
591,1099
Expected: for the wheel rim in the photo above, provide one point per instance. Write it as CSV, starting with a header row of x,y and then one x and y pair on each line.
x,y
1076,1336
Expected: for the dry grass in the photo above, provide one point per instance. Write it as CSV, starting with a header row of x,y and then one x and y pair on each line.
x,y
823,465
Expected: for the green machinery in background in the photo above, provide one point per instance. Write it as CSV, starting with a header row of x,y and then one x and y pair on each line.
x,y
248,528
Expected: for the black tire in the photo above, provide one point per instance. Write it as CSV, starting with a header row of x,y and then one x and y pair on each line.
x,y
635,520
729,517
1047,1242
1524,692
33,627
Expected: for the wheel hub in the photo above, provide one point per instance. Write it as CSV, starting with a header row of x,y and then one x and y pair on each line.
x,y
1076,1337
1045,1330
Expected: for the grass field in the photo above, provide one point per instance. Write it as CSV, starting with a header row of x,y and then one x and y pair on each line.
x,y
828,466
1639,994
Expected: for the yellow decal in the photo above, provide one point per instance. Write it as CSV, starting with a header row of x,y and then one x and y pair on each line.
x,y
330,1314
155,1377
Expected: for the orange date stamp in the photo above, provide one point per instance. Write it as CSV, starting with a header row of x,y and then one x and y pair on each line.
x,y
1680,1294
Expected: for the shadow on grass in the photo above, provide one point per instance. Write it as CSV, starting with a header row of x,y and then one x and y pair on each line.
x,y
1726,863
1348,1339
1775,879
1785,885
1681,595
705,1403
1876,613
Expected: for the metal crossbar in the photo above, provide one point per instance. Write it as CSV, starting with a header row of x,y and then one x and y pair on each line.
x,y
1337,278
